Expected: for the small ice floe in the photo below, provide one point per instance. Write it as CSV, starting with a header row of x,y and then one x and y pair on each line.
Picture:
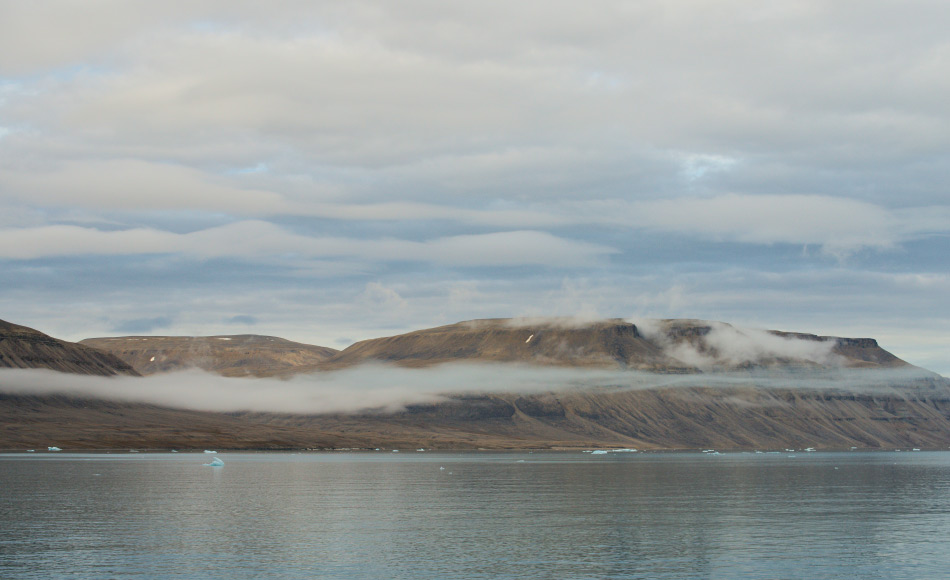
x,y
395,451
628,450
216,462
529,339
809,449
599,452
709,450
53,448
420,449
31,450
174,451
210,451
916,449
790,450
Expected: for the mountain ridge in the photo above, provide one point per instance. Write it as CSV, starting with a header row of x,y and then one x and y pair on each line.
x,y
229,355
736,389
25,347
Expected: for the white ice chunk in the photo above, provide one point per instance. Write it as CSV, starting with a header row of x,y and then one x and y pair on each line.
x,y
599,452
215,463
209,451
54,448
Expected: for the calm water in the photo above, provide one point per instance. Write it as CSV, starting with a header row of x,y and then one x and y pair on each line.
x,y
485,515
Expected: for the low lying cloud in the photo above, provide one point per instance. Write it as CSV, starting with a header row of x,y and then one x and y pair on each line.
x,y
727,345
390,389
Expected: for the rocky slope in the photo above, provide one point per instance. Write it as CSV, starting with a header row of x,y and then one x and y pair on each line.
x,y
235,355
26,348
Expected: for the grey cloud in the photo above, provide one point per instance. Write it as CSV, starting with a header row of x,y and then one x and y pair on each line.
x,y
257,239
143,325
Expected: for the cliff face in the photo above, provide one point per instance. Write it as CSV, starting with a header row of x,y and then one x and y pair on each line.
x,y
25,348
236,355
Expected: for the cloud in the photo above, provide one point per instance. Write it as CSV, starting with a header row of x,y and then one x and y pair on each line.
x,y
714,148
131,184
143,325
390,389
727,345
245,319
254,239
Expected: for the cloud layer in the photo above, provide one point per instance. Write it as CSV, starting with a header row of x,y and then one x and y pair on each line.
x,y
198,161
380,388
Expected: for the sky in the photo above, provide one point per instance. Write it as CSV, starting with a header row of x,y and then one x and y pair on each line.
x,y
335,171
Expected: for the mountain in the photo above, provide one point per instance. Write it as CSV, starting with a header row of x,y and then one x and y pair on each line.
x,y
670,384
25,348
660,346
234,355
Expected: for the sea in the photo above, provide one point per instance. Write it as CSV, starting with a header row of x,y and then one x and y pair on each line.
x,y
425,515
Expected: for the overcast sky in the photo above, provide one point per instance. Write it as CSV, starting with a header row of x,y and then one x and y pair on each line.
x,y
335,171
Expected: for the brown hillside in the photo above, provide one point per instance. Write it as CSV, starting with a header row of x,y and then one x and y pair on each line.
x,y
25,348
611,343
236,355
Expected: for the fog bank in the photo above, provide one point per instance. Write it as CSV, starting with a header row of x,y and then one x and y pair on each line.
x,y
390,389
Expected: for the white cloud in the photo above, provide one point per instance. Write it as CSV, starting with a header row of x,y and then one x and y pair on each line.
x,y
388,388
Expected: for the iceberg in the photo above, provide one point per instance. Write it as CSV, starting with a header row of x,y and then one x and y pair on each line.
x,y
216,462
209,451
54,448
